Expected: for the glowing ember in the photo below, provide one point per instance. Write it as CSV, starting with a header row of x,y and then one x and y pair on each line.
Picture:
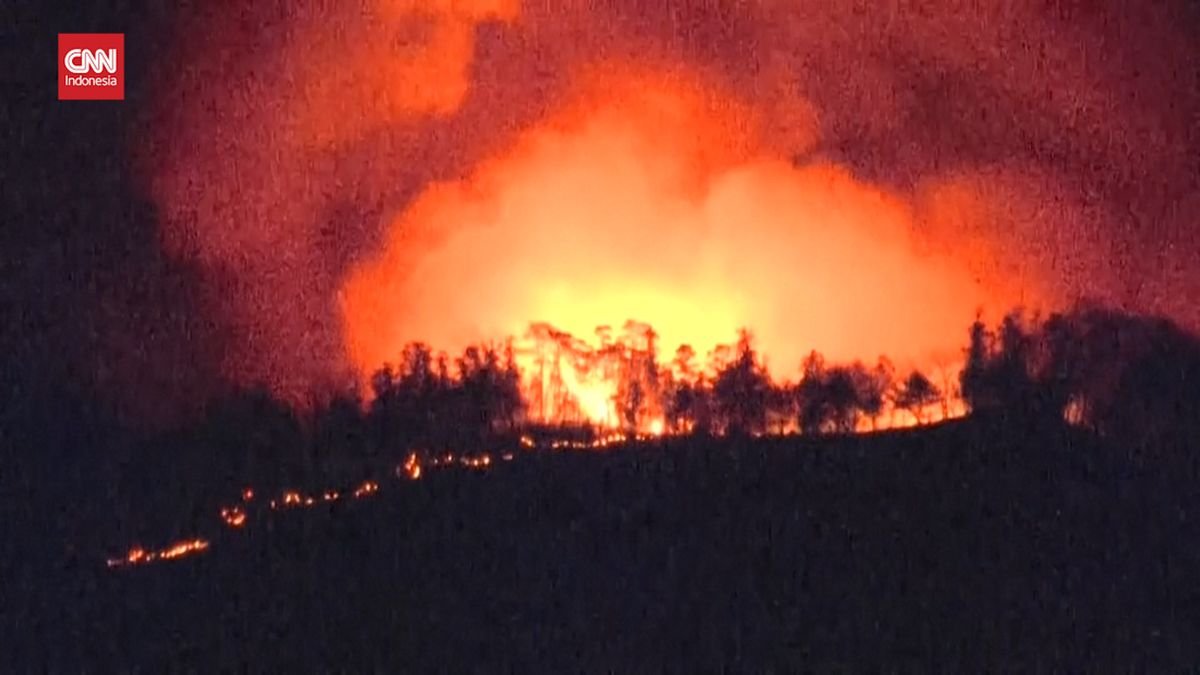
x,y
480,462
184,548
412,467
233,516
366,489
140,556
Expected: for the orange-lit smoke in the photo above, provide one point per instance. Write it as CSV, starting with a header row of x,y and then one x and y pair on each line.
x,y
655,198
255,161
345,177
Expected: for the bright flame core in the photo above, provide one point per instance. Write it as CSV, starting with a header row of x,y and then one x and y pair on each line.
x,y
656,198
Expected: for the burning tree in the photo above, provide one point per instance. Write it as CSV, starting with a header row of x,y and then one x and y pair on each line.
x,y
686,394
741,391
639,393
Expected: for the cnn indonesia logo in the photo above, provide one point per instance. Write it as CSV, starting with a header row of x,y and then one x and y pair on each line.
x,y
91,66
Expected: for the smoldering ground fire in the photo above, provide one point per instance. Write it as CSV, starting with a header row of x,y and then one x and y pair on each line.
x,y
856,182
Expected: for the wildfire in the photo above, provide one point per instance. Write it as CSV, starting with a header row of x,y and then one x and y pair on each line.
x,y
140,556
412,467
480,462
655,197
605,440
236,518
366,489
233,516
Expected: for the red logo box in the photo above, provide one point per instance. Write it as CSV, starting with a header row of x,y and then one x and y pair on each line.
x,y
91,66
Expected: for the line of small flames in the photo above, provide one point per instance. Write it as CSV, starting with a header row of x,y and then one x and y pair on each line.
x,y
234,517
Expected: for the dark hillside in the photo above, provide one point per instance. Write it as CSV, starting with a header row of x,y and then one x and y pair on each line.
x,y
957,546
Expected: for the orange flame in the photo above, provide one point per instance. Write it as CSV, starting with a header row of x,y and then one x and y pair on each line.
x,y
366,489
140,556
233,516
412,466
658,197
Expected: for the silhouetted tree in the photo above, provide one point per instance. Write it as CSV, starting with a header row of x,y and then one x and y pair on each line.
x,y
1133,379
632,399
872,387
1022,373
252,436
833,399
684,363
339,432
682,396
1056,367
841,399
1011,379
488,394
409,398
974,380
638,394
509,403
704,407
781,406
917,393
741,389
811,403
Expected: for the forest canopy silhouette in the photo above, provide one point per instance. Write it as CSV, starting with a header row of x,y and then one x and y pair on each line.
x,y
1132,380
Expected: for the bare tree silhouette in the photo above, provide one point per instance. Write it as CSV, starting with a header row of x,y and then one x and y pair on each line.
x,y
915,394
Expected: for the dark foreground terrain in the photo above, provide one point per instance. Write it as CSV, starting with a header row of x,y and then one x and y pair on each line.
x,y
954,547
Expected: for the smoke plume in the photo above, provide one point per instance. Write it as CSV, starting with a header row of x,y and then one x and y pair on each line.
x,y
847,177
